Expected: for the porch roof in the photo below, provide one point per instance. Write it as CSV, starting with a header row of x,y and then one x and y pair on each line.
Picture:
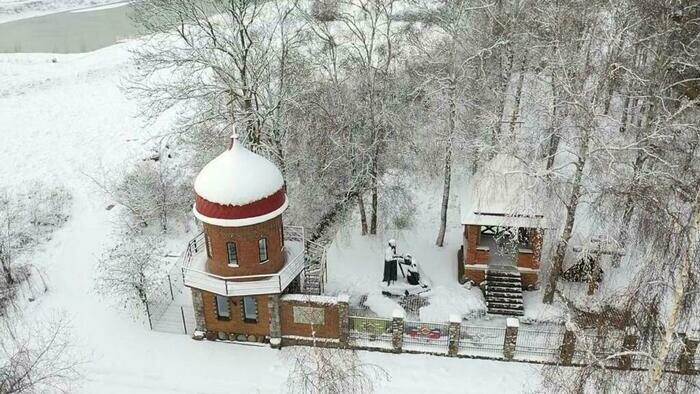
x,y
502,193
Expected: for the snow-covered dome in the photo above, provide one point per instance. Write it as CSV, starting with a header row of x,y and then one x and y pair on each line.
x,y
239,188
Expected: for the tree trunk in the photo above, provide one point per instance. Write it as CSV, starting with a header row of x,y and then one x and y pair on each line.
x,y
363,214
445,196
515,114
562,246
678,297
447,177
375,187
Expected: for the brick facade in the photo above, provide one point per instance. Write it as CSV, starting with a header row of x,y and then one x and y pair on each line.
x,y
236,324
475,260
330,328
246,239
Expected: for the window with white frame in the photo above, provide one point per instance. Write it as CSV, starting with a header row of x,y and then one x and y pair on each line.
x,y
223,310
262,250
250,309
232,253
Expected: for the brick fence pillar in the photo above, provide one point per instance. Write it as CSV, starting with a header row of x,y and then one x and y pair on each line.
x,y
629,343
686,364
566,350
510,338
198,306
273,305
343,319
397,327
453,332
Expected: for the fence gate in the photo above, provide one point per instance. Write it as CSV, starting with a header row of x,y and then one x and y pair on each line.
x,y
482,341
426,337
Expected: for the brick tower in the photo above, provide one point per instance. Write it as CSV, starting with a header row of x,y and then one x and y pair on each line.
x,y
239,198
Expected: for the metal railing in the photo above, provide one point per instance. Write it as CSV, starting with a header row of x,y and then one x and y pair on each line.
x,y
245,284
482,341
370,332
426,337
541,343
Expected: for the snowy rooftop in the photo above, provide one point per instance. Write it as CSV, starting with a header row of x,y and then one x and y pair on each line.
x,y
501,193
238,177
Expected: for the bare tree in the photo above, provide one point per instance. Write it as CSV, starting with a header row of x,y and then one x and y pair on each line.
x,y
41,359
130,271
28,217
152,192
318,369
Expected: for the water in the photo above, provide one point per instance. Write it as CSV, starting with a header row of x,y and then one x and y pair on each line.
x,y
68,32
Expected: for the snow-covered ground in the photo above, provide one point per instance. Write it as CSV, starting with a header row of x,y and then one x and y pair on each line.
x,y
19,9
62,121
356,262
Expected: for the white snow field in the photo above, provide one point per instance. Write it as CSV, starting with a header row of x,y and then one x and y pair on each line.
x,y
64,119
19,9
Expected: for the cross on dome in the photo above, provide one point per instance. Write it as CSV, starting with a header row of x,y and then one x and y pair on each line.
x,y
234,137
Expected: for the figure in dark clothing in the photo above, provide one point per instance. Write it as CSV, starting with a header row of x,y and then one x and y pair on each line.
x,y
390,263
413,276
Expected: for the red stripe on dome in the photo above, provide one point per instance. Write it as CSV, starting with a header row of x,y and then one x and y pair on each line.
x,y
256,208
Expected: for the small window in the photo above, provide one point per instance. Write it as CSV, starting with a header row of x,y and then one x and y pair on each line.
x,y
208,245
223,311
232,253
250,309
262,250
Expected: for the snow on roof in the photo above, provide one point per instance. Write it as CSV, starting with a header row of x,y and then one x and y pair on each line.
x,y
501,193
238,177
311,298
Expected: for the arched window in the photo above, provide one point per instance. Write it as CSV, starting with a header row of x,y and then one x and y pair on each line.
x,y
262,250
232,253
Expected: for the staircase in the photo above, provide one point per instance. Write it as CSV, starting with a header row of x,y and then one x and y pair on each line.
x,y
504,291
314,269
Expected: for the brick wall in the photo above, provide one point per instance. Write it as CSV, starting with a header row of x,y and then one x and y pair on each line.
x,y
236,325
246,239
305,310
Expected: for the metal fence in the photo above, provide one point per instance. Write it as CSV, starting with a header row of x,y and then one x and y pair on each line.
x,y
539,343
426,337
370,332
168,309
478,341
596,347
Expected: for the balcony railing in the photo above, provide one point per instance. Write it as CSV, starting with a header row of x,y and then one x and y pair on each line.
x,y
195,275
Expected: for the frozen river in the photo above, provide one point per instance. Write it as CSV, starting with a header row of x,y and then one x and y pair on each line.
x,y
74,31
